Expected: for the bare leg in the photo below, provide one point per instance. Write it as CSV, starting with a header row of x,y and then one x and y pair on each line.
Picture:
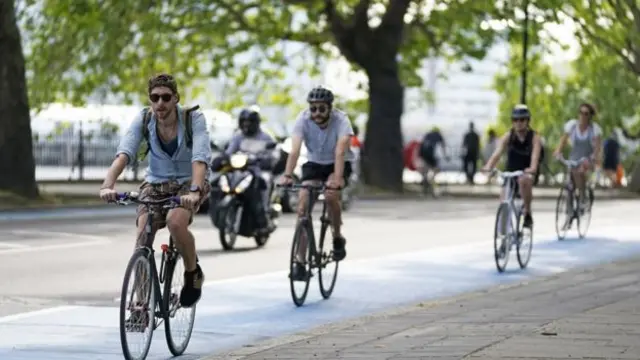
x,y
332,198
303,198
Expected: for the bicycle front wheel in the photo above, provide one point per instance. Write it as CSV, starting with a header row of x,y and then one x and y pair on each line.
x,y
585,215
524,244
501,246
300,257
327,267
178,321
563,213
137,306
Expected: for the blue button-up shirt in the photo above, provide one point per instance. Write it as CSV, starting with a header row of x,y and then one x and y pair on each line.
x,y
162,167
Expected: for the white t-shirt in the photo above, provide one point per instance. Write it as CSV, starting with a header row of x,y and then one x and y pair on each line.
x,y
572,129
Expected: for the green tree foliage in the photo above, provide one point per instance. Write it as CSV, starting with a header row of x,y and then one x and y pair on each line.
x,y
78,47
612,25
545,94
601,78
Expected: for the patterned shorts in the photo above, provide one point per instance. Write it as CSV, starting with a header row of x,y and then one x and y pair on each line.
x,y
150,191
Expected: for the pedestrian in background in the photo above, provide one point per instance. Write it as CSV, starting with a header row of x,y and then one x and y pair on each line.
x,y
470,153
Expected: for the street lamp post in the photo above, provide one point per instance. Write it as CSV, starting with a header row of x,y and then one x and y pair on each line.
x,y
525,45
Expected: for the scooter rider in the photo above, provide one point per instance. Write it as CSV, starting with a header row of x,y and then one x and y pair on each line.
x,y
252,139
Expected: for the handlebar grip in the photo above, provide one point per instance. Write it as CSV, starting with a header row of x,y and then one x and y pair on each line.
x,y
176,199
122,196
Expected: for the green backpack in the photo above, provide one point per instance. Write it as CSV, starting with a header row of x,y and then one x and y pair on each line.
x,y
186,115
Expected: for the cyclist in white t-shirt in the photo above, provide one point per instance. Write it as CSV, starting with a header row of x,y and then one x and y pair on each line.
x,y
585,137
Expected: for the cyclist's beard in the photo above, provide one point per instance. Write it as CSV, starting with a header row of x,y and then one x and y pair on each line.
x,y
321,120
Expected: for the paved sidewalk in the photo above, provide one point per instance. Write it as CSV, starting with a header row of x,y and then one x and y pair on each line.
x,y
580,314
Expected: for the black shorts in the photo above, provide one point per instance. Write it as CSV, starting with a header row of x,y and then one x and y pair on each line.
x,y
430,159
610,164
321,172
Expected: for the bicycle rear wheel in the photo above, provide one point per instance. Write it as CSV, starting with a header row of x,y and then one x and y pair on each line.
x,y
139,304
178,321
327,267
563,213
501,245
298,295
585,216
524,244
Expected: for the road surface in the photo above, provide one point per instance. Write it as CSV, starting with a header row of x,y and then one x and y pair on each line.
x,y
67,273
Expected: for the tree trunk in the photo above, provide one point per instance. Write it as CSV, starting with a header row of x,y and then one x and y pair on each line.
x,y
17,168
634,179
382,159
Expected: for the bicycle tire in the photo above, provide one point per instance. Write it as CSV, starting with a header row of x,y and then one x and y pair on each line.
x,y
503,210
522,260
228,240
327,260
167,297
299,300
144,254
560,210
585,217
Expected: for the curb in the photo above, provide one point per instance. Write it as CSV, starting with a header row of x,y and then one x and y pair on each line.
x,y
484,195
252,349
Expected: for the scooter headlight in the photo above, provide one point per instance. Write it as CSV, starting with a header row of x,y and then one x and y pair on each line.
x,y
224,184
244,184
238,161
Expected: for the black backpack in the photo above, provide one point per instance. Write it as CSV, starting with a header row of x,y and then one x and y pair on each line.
x,y
186,115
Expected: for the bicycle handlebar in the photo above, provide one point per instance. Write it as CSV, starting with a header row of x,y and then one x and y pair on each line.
x,y
508,174
572,163
126,197
312,187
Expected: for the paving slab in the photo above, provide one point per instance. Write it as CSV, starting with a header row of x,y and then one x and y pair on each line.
x,y
591,313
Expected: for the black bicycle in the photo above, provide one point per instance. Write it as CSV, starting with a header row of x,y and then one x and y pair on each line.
x,y
145,304
315,257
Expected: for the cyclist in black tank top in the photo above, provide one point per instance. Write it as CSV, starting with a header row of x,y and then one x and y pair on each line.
x,y
523,153
519,150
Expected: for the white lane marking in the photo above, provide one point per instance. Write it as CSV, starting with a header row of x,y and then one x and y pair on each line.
x,y
29,314
55,247
59,234
13,245
89,240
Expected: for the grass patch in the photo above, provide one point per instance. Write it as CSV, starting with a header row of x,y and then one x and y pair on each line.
x,y
11,201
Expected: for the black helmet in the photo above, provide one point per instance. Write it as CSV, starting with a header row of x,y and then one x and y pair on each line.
x,y
320,94
520,111
253,117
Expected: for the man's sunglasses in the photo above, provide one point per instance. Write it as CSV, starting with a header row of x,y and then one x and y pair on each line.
x,y
585,113
519,119
320,109
156,97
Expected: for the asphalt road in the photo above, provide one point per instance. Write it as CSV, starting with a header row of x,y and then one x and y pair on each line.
x,y
399,252
82,261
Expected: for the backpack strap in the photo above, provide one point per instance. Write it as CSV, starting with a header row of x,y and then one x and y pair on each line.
x,y
186,115
146,117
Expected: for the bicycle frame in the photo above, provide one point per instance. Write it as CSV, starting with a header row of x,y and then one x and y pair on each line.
x,y
168,252
510,201
307,220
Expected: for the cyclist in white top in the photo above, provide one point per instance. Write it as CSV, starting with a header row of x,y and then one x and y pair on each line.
x,y
585,138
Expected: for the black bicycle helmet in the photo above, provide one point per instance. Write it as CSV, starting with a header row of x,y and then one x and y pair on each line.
x,y
320,94
520,111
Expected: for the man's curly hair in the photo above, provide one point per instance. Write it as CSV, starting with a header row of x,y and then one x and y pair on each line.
x,y
165,80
